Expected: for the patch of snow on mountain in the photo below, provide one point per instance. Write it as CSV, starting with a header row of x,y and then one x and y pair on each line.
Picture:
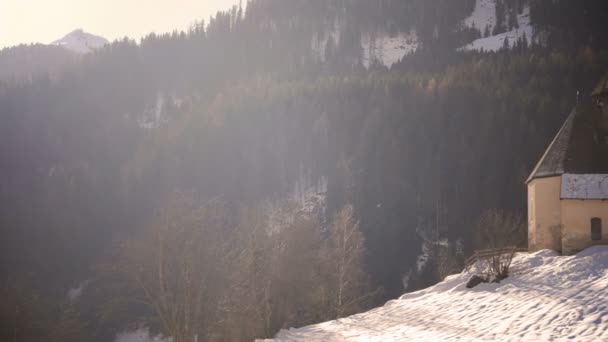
x,y
388,50
495,43
484,15
81,42
153,116
311,195
428,246
160,112
76,292
139,335
547,297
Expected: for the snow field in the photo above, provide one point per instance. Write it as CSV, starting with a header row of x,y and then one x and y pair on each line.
x,y
547,298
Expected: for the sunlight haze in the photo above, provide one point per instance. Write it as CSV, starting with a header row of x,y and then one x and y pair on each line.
x,y
303,170
43,21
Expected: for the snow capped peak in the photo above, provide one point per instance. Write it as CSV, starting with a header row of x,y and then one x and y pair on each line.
x,y
80,41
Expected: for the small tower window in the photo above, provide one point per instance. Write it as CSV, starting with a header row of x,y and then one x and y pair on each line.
x,y
596,228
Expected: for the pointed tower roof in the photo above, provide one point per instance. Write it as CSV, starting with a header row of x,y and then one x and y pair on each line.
x,y
552,162
578,148
581,145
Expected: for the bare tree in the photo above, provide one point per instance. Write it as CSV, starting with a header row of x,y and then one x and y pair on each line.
x,y
498,234
496,229
449,259
177,263
248,304
348,283
274,272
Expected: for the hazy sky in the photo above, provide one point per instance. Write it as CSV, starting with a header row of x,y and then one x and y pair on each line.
x,y
27,21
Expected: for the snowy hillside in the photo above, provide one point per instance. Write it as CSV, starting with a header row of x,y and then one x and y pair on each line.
x,y
484,16
547,298
378,47
386,49
81,42
139,335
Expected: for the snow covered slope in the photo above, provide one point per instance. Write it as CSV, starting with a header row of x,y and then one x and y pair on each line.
x,y
378,47
80,41
139,335
484,16
388,50
547,298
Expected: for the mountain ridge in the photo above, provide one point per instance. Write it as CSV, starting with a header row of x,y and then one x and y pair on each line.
x,y
80,41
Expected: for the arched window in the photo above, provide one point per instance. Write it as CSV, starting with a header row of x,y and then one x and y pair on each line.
x,y
596,228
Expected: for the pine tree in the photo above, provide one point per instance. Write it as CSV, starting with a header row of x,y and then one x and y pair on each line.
x,y
500,18
513,23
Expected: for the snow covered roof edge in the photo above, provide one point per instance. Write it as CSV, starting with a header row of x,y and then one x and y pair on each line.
x,y
587,186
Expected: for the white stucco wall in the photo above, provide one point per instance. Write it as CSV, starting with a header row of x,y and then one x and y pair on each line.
x,y
544,214
576,223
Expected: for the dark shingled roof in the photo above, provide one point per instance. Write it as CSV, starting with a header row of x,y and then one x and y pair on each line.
x,y
580,147
552,161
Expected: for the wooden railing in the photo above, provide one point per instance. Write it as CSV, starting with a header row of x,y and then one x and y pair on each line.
x,y
486,254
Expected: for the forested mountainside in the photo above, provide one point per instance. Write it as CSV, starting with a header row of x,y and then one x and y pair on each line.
x,y
23,63
254,108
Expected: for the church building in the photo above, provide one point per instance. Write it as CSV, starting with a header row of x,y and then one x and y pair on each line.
x,y
568,188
